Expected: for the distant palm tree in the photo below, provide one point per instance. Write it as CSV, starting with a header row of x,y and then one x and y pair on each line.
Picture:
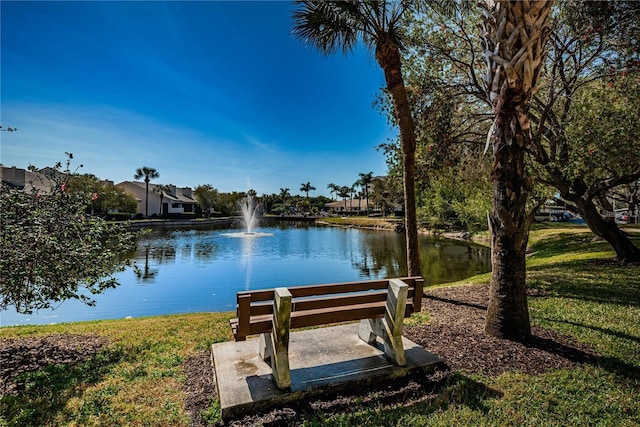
x,y
148,174
284,194
355,185
338,25
344,192
160,189
306,188
333,189
365,181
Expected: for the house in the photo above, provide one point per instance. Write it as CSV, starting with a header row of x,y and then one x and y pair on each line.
x,y
175,200
348,206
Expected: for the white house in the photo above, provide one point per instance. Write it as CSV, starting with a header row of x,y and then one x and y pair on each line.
x,y
175,200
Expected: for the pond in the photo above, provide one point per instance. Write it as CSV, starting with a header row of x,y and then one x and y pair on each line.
x,y
200,270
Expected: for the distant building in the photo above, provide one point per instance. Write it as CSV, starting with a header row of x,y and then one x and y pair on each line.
x,y
177,200
25,179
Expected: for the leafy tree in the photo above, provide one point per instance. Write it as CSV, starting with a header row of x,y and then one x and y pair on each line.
x,y
148,174
207,197
386,194
586,116
338,25
228,202
51,250
105,196
306,188
116,199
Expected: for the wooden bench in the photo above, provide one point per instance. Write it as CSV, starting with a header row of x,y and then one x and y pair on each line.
x,y
380,305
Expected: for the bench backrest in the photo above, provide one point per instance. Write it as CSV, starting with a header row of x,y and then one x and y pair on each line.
x,y
323,304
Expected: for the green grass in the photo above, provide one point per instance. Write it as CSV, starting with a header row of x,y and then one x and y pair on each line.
x,y
138,380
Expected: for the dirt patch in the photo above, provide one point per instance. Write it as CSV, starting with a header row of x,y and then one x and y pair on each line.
x,y
456,333
200,386
20,355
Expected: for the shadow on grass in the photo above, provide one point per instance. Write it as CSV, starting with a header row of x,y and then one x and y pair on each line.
x,y
456,302
588,280
611,364
40,395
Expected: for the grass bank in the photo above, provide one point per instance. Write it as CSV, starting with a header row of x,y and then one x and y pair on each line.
x,y
577,289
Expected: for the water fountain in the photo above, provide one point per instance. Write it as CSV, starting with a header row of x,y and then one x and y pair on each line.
x,y
249,209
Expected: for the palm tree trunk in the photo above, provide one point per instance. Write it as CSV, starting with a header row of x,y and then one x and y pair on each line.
x,y
388,57
508,311
146,198
515,34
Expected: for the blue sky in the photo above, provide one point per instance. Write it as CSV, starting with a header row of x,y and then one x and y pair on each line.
x,y
206,92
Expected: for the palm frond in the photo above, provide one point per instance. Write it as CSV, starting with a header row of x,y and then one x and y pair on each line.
x,y
326,25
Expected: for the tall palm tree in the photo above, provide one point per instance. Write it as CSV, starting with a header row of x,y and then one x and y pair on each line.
x,y
365,181
338,25
148,174
514,36
306,188
160,189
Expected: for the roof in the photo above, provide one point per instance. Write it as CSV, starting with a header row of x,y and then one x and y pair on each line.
x,y
351,204
177,197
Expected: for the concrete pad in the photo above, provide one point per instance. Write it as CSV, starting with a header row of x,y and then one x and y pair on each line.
x,y
320,360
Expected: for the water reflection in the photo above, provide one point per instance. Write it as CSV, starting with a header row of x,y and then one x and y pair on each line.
x,y
373,254
248,244
146,273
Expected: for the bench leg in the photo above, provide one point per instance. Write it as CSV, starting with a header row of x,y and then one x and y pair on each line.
x,y
390,327
265,347
277,343
370,329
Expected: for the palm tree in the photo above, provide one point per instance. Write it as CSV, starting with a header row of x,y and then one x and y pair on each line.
x,y
365,181
333,188
344,192
358,194
306,188
148,174
284,194
514,39
338,25
160,189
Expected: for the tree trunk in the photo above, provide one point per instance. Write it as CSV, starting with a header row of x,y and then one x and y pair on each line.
x,y
576,192
625,250
388,57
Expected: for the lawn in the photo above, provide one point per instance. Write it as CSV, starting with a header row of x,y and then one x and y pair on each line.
x,y
137,377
